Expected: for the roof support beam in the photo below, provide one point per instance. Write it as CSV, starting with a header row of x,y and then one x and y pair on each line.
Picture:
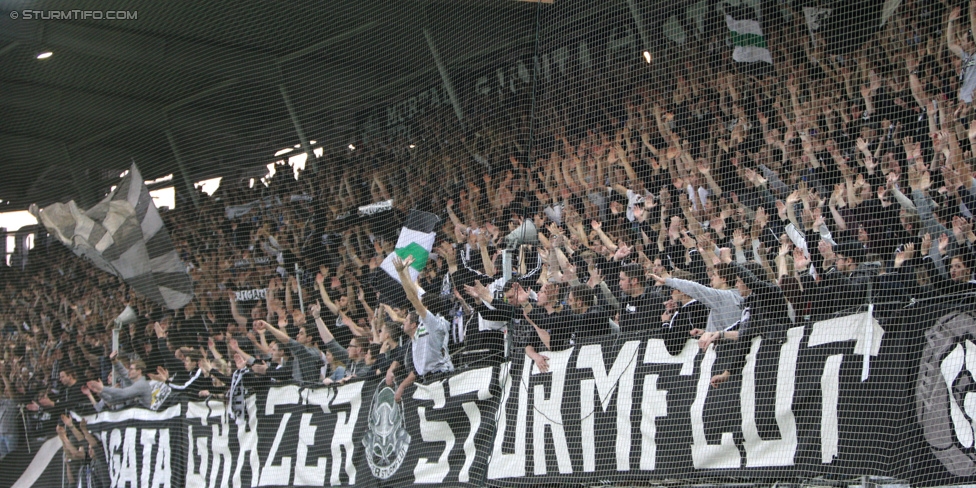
x,y
310,159
445,76
318,46
368,97
97,137
80,179
639,21
202,94
179,163
51,155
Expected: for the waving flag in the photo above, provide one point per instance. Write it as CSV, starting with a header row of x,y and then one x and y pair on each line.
x,y
748,39
416,239
124,235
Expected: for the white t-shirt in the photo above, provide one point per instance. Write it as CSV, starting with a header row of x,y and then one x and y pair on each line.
x,y
967,78
633,199
429,345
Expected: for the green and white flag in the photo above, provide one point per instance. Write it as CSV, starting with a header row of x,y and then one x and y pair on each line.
x,y
411,243
747,37
416,239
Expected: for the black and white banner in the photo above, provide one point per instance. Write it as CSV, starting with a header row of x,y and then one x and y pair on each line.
x,y
845,397
356,434
251,295
143,448
632,410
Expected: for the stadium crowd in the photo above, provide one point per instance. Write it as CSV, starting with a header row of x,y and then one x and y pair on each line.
x,y
703,200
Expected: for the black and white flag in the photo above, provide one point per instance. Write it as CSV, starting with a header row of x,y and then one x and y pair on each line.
x,y
124,235
416,239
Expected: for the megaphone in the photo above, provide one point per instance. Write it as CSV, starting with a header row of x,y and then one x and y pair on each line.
x,y
523,234
127,317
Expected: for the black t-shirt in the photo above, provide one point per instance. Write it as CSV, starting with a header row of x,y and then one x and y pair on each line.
x,y
340,331
398,354
556,323
610,270
595,322
277,373
491,341
384,360
640,312
70,398
692,315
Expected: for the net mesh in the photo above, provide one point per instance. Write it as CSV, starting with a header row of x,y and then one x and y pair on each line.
x,y
488,244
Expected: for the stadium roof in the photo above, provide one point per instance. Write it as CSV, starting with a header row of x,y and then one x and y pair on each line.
x,y
210,79
213,74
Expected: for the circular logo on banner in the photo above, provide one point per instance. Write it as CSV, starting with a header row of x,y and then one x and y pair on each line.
x,y
945,394
387,440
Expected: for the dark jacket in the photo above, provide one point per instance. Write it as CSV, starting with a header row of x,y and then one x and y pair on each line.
x,y
943,284
692,315
191,385
491,341
764,312
843,292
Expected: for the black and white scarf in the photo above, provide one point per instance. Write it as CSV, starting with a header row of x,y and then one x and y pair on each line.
x,y
237,395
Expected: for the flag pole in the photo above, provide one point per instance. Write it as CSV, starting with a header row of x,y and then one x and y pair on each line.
x,y
507,273
26,431
298,279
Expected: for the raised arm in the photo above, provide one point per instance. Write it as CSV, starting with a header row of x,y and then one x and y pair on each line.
x,y
280,335
954,15
705,170
606,240
454,218
324,331
361,296
235,312
446,251
8,391
291,283
320,284
70,424
486,260
409,287
233,347
709,296
89,437
73,453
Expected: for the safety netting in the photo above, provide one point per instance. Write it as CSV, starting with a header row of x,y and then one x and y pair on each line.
x,y
500,243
